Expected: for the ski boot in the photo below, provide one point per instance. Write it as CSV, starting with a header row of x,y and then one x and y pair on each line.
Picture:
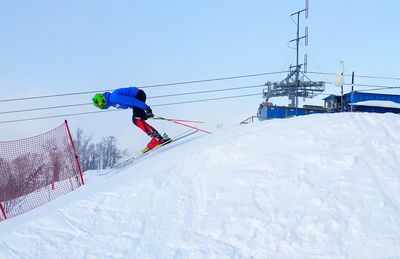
x,y
156,141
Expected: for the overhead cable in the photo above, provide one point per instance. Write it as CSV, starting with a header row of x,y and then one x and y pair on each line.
x,y
155,105
150,97
146,86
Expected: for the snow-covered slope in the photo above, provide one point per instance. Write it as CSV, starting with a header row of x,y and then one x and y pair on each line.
x,y
307,187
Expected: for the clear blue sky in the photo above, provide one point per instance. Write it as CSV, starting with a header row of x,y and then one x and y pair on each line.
x,y
53,47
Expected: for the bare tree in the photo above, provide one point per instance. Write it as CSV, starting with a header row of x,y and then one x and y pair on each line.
x,y
100,155
82,144
6,180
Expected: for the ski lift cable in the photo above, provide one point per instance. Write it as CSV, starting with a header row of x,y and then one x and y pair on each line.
x,y
151,97
113,110
146,86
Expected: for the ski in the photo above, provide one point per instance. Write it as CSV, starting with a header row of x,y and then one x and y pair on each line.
x,y
184,135
120,166
165,139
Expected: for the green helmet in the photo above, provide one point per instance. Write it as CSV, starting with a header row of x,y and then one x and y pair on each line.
x,y
99,100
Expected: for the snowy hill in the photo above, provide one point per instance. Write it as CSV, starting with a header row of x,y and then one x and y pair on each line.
x,y
307,187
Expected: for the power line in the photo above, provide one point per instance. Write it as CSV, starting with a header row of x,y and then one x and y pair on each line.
x,y
152,97
379,77
47,108
360,76
377,87
189,82
155,105
165,104
148,86
366,85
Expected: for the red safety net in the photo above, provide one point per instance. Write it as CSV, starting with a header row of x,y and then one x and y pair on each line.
x,y
36,170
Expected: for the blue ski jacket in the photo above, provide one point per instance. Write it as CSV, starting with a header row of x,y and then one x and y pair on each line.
x,y
124,98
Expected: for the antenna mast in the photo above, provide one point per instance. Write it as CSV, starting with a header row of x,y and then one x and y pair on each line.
x,y
292,86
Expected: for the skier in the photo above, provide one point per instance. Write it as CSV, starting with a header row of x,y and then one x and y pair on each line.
x,y
134,98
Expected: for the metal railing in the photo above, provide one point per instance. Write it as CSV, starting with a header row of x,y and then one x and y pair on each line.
x,y
251,119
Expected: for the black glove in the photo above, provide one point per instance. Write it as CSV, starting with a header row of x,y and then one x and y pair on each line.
x,y
149,113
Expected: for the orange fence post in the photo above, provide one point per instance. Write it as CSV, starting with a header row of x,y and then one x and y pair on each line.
x,y
2,210
76,156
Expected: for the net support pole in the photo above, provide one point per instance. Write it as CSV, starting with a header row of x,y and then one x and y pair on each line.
x,y
52,183
76,156
3,211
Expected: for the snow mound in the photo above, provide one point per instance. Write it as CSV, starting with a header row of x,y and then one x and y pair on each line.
x,y
311,186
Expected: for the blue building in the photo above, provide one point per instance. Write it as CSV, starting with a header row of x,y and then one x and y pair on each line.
x,y
350,102
363,102
268,111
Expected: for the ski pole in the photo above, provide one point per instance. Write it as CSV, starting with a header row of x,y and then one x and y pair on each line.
x,y
168,119
180,123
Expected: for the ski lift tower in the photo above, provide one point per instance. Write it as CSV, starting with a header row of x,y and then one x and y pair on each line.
x,y
292,86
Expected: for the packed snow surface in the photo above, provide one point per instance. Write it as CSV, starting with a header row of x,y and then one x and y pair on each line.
x,y
307,187
387,104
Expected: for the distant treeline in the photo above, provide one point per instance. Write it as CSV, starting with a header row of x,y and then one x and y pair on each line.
x,y
101,155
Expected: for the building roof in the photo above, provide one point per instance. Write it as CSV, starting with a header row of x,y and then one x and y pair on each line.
x,y
330,97
357,97
374,103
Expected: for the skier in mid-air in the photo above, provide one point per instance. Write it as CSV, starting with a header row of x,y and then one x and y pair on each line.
x,y
134,98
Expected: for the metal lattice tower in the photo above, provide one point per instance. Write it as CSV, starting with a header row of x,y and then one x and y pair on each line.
x,y
293,86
